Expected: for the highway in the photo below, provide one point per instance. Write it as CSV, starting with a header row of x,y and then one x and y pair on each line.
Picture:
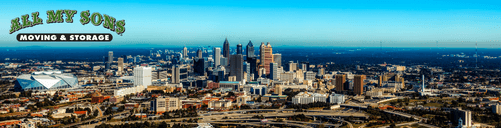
x,y
95,119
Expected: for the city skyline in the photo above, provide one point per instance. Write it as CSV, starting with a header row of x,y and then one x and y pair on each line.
x,y
337,24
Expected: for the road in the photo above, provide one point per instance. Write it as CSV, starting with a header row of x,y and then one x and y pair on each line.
x,y
342,120
95,119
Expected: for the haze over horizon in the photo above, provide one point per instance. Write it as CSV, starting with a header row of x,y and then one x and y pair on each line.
x,y
283,23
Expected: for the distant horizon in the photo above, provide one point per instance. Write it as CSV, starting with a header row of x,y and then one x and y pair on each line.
x,y
146,46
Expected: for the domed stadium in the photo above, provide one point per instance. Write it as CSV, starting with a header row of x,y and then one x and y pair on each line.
x,y
45,80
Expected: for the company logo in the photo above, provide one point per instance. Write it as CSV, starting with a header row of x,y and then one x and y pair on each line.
x,y
86,17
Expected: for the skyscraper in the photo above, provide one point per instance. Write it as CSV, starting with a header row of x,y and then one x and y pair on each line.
x,y
226,48
274,71
358,84
142,76
110,60
340,82
236,66
380,81
249,51
185,52
239,48
110,57
175,78
277,58
217,57
120,65
247,71
266,56
199,53
253,66
261,53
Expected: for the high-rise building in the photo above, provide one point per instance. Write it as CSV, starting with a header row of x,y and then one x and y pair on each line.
x,y
249,51
185,52
236,66
217,57
247,71
340,82
199,53
109,60
310,75
266,56
496,109
358,84
380,81
463,115
253,66
142,76
239,48
120,67
176,75
200,65
226,48
110,57
277,58
305,64
291,66
274,71
261,54
321,71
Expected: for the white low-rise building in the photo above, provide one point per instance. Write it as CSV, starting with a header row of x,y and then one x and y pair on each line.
x,y
309,97
336,98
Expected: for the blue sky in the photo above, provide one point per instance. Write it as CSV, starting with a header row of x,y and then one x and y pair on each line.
x,y
283,23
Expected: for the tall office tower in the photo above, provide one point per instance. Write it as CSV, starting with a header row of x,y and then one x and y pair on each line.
x,y
239,48
291,66
226,48
200,66
253,66
307,65
358,84
221,72
120,65
340,82
274,71
249,51
280,70
261,53
110,57
277,58
176,75
380,81
236,66
142,76
185,52
247,71
199,53
217,57
109,60
321,71
463,115
268,57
